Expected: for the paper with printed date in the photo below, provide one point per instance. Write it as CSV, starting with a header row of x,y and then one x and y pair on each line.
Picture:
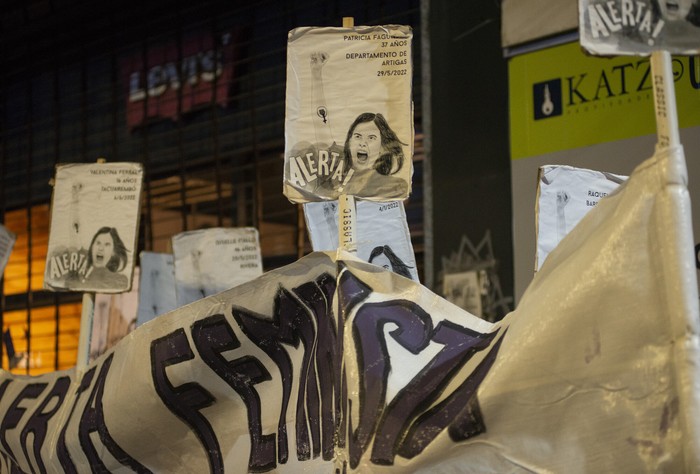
x,y
349,113
95,213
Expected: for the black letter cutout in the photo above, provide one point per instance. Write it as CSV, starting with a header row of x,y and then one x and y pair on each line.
x,y
93,420
186,400
38,423
291,324
212,336
62,452
15,412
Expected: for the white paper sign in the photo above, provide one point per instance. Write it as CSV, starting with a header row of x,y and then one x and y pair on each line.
x,y
382,233
638,27
349,115
565,194
212,260
7,241
95,215
157,285
114,317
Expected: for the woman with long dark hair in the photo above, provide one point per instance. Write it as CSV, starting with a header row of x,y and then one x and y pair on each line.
x,y
107,256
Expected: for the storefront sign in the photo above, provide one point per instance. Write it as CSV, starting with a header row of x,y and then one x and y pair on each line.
x,y
562,99
169,82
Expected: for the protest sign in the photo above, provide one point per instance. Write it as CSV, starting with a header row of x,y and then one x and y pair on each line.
x,y
332,364
638,27
564,195
349,115
95,214
208,261
156,285
384,236
114,317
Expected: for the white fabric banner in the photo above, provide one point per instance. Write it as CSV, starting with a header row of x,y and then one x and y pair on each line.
x,y
95,212
638,27
209,261
382,233
564,195
156,285
349,113
7,241
335,365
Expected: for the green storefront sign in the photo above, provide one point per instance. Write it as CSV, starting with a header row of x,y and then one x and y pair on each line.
x,y
561,98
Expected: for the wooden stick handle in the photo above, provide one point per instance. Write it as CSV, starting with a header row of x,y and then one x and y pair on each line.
x,y
664,100
347,222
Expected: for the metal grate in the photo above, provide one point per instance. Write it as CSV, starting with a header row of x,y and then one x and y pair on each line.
x,y
64,92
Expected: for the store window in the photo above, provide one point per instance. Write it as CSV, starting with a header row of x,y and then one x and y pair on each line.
x,y
212,159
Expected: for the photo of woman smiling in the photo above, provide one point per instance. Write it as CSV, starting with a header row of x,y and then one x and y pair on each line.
x,y
107,257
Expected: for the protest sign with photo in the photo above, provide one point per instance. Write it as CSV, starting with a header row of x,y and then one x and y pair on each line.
x,y
209,261
564,195
349,113
383,235
95,213
637,27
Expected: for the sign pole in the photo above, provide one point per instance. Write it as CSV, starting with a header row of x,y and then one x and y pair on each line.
x,y
347,211
682,287
664,100
87,314
86,317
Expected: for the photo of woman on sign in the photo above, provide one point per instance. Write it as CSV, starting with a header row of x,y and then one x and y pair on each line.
x,y
106,259
367,164
373,152
678,10
385,257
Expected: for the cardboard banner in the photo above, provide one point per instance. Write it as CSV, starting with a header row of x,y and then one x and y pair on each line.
x,y
212,260
335,365
156,286
638,27
349,114
564,195
7,241
95,214
384,238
